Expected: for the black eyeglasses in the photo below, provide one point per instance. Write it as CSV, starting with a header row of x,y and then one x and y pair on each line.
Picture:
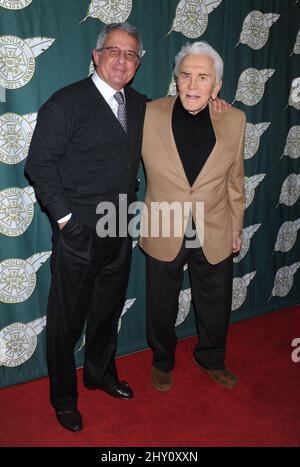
x,y
130,55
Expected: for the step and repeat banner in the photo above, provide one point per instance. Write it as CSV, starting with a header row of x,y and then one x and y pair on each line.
x,y
47,44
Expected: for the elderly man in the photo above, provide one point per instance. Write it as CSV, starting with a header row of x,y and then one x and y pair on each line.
x,y
193,155
86,149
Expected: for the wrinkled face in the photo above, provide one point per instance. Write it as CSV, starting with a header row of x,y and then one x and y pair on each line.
x,y
196,82
116,71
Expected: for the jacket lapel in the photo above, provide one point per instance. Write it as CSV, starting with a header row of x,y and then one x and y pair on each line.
x,y
166,134
164,124
218,123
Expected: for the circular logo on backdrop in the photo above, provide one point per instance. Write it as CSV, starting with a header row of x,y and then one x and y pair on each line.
x,y
17,62
184,304
290,190
296,49
250,183
17,59
251,85
109,11
15,4
251,141
284,280
18,277
255,31
247,234
16,210
17,280
292,147
287,236
18,342
191,17
239,292
15,136
239,289
252,138
294,98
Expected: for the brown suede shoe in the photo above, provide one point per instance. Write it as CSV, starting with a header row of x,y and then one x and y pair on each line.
x,y
224,377
161,381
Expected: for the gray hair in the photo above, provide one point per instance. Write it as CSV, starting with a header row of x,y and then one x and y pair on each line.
x,y
126,27
202,48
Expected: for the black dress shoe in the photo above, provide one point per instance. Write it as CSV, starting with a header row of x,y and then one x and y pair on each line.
x,y
119,389
70,419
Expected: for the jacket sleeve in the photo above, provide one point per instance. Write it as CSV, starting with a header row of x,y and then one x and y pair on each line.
x,y
48,145
236,194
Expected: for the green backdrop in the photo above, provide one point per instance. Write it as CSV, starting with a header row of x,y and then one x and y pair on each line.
x,y
46,44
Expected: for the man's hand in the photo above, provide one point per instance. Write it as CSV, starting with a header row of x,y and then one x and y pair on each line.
x,y
219,105
62,224
64,220
236,241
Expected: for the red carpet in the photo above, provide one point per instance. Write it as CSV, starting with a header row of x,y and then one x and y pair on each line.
x,y
263,410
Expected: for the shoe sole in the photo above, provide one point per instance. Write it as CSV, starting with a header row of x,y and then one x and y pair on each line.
x,y
226,385
93,388
73,429
76,430
161,387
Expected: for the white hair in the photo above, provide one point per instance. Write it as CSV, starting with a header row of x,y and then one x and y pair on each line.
x,y
200,48
126,27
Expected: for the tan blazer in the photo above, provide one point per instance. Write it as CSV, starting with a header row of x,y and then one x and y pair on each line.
x,y
219,185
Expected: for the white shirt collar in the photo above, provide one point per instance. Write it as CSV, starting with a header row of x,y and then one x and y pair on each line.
x,y
105,89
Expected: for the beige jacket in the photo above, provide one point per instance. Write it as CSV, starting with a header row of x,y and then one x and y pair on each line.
x,y
219,185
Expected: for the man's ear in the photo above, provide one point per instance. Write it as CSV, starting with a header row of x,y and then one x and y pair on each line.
x,y
176,84
216,90
96,57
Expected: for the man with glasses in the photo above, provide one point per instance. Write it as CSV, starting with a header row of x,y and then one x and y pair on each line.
x,y
86,149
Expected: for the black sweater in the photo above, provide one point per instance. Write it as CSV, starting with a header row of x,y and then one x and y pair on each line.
x,y
79,153
194,137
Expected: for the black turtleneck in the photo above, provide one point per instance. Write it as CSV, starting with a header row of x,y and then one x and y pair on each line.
x,y
194,137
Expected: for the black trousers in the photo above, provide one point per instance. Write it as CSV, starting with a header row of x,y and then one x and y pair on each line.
x,y
89,282
211,288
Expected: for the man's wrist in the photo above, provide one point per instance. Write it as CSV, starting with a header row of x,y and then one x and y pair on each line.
x,y
65,218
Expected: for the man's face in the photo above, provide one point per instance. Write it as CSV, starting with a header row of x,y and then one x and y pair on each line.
x,y
116,71
197,82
